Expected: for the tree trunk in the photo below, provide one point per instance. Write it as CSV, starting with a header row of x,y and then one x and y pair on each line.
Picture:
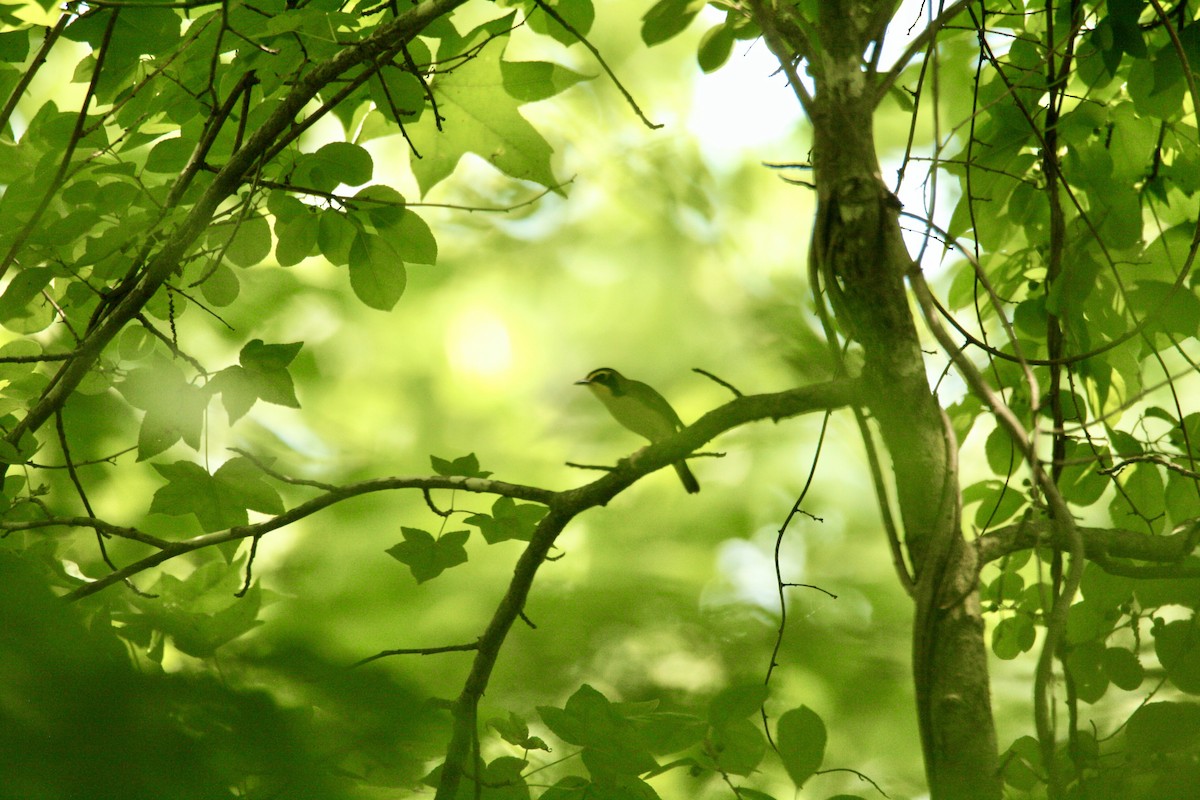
x,y
861,257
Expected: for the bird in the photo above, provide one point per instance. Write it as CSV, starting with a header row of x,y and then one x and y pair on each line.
x,y
641,409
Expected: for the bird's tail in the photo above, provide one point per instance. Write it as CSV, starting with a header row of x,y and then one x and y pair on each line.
x,y
689,480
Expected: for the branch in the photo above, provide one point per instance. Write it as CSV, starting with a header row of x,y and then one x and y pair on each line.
x,y
565,506
98,525
418,651
579,37
169,550
1100,545
386,39
1149,458
820,397
55,183
1056,620
51,38
918,43
775,43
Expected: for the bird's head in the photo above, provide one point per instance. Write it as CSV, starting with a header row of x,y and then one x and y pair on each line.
x,y
605,380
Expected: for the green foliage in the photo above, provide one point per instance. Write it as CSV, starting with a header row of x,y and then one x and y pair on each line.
x,y
195,152
150,734
508,520
466,466
219,500
477,113
1090,256
428,557
801,735
197,188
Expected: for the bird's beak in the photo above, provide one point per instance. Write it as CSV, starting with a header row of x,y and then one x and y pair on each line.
x,y
583,382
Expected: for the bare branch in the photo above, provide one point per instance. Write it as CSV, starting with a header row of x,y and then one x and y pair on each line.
x,y
918,43
550,12
1100,544
418,651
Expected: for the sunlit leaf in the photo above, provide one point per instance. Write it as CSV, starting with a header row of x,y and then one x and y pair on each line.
x,y
480,117
377,272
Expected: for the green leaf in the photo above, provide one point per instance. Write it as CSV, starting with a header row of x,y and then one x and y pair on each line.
x,y
1180,497
191,490
800,735
413,240
221,287
1089,621
197,613
163,426
170,155
246,484
508,520
1002,455
1142,499
174,408
237,390
1132,143
669,732
1023,764
246,243
1123,668
514,731
25,287
260,357
14,46
1103,590
481,117
572,787
1177,645
467,466
667,19
1086,663
335,236
263,371
736,703
754,794
1127,35
998,502
715,47
218,501
1169,310
528,81
382,205
579,14
297,238
611,751
334,164
428,557
503,778
1012,636
398,94
1155,592
1159,728
377,272
1007,587
1080,482
736,748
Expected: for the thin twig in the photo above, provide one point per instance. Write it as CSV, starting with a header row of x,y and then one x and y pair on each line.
x,y
726,384
279,476
600,59
418,651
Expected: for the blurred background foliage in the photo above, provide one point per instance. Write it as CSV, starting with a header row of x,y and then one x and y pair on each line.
x,y
673,249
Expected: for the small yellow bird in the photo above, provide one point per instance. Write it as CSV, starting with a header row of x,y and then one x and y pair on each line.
x,y
640,409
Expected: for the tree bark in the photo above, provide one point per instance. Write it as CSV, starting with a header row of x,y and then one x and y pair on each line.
x,y
861,258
